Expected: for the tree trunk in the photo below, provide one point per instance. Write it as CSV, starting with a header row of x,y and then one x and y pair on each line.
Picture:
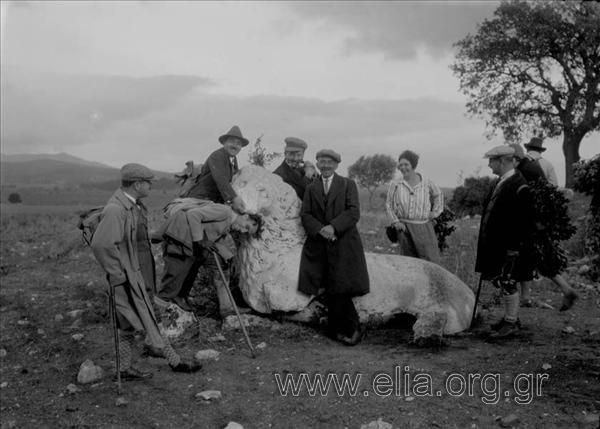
x,y
570,148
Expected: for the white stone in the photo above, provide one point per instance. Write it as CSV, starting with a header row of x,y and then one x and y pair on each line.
x,y
3,384
58,318
77,337
509,421
208,395
121,401
441,302
72,389
207,354
546,366
173,321
568,330
377,424
3,353
75,313
261,345
89,373
233,425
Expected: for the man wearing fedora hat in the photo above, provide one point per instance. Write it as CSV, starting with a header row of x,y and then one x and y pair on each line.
x,y
214,181
115,246
293,170
534,151
333,258
504,244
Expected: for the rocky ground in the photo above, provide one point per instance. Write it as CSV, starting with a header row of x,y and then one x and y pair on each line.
x,y
53,317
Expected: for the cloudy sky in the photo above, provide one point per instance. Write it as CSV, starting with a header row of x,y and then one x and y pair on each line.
x,y
158,82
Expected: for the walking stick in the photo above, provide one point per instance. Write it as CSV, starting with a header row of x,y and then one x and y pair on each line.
x,y
237,312
113,318
476,301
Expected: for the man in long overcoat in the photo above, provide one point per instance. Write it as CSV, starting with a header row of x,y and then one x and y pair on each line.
x,y
504,247
333,258
115,247
293,170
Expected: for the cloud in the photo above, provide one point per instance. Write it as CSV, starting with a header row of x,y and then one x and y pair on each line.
x,y
399,30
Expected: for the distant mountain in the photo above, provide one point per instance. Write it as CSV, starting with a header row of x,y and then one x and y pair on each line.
x,y
65,157
59,169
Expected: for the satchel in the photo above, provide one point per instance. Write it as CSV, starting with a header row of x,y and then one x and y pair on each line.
x,y
392,233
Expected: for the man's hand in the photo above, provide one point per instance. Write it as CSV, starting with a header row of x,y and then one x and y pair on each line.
x,y
309,170
399,226
238,205
207,245
328,233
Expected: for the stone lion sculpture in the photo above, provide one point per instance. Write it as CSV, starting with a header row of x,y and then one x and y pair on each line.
x,y
269,269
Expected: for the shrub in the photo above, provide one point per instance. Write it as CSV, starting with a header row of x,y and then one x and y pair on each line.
x,y
443,227
468,198
14,198
259,155
587,181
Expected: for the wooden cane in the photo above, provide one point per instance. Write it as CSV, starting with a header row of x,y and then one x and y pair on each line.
x,y
113,317
476,301
237,312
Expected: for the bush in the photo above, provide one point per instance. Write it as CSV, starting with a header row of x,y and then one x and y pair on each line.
x,y
587,181
468,198
443,227
14,198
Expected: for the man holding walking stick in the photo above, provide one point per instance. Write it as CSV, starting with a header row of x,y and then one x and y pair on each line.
x,y
504,254
115,247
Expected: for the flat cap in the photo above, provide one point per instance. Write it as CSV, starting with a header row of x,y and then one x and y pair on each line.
x,y
502,150
134,172
519,152
328,153
294,144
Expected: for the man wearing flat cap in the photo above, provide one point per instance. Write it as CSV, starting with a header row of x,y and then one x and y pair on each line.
x,y
333,258
214,181
293,170
115,246
534,150
504,254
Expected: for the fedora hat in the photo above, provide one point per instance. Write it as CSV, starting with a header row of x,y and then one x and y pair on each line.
x,y
535,144
235,133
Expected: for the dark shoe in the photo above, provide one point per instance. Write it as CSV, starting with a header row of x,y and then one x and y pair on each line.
x,y
187,366
568,300
499,324
182,303
134,374
152,351
508,329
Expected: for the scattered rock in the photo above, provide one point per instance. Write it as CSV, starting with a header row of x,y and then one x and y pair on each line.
x,y
72,389
546,366
508,421
584,269
58,318
261,345
568,330
377,424
75,313
218,337
409,398
77,337
591,419
3,353
232,322
11,424
23,322
121,402
546,306
3,384
207,395
207,354
89,373
233,425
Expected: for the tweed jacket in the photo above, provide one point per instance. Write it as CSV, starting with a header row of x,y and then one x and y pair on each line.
x,y
214,181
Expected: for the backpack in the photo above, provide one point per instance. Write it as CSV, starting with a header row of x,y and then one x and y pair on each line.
x,y
88,223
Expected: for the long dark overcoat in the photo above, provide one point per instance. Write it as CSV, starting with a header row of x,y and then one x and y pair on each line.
x,y
294,177
214,181
506,224
339,266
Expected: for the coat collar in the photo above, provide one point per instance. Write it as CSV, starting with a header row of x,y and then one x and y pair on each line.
x,y
120,196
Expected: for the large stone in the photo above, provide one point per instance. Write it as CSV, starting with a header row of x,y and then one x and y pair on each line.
x,y
269,268
207,354
89,373
173,321
377,424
